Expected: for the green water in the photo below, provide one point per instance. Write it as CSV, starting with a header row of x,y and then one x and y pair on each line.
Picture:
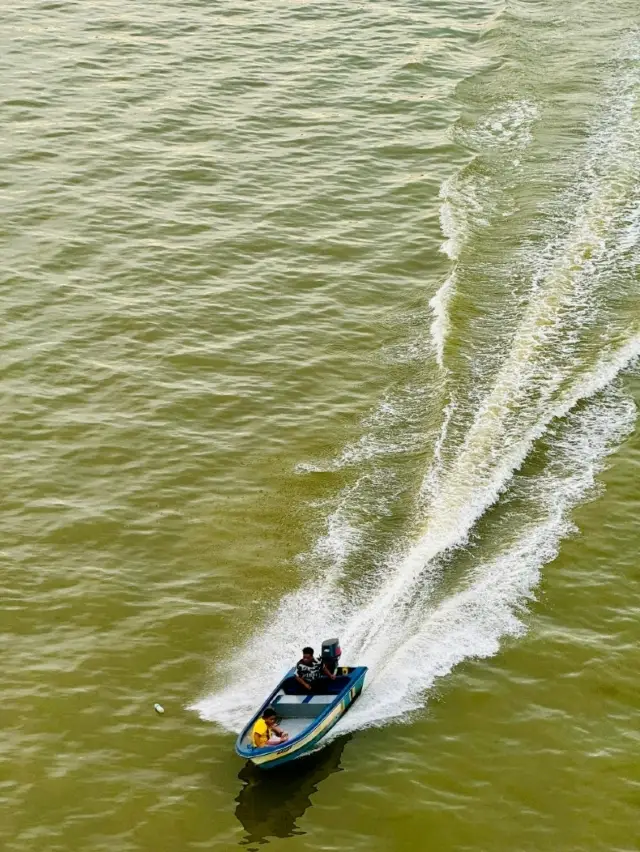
x,y
320,318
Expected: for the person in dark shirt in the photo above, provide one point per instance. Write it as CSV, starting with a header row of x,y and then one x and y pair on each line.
x,y
309,671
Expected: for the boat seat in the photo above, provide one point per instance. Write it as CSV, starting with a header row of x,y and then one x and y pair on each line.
x,y
329,687
301,706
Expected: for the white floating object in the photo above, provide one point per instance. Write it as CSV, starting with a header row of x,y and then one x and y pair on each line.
x,y
158,708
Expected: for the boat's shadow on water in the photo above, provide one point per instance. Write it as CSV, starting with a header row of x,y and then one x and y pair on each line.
x,y
270,802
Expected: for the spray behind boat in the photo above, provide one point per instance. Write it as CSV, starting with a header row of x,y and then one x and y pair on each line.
x,y
331,653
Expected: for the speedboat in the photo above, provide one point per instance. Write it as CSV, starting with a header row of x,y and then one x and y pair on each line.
x,y
306,718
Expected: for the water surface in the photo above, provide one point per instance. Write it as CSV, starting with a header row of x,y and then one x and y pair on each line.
x,y
320,319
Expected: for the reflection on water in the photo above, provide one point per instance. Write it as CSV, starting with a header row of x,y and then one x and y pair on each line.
x,y
271,801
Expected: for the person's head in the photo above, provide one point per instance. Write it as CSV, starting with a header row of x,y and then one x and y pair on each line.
x,y
269,716
307,654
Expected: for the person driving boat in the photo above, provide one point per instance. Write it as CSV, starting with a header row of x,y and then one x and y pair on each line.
x,y
310,671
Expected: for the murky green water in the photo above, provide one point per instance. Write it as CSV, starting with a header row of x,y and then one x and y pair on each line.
x,y
320,318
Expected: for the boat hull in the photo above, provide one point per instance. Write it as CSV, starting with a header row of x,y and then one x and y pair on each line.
x,y
308,740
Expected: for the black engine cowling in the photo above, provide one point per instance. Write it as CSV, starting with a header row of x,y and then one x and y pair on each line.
x,y
331,653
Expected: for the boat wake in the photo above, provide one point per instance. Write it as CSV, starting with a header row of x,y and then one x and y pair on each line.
x,y
520,441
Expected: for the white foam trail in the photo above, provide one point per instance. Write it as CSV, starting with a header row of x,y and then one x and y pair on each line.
x,y
341,539
439,305
472,621
469,623
431,483
468,200
481,472
529,391
390,619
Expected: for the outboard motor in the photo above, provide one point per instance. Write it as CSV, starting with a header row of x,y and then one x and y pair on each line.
x,y
331,652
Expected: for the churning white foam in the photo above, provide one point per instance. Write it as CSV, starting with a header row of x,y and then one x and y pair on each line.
x,y
399,617
386,621
472,621
389,622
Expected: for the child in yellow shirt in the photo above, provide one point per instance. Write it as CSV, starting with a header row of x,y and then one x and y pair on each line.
x,y
266,732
